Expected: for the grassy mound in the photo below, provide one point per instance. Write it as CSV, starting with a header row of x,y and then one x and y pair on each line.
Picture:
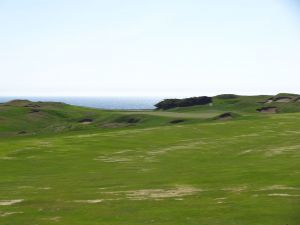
x,y
285,103
159,168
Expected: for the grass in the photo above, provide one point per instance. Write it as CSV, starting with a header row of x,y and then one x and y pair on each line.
x,y
149,171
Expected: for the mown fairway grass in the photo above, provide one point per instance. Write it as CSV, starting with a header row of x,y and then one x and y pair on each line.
x,y
240,172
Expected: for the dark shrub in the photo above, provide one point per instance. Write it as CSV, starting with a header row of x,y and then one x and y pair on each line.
x,y
227,96
177,121
173,103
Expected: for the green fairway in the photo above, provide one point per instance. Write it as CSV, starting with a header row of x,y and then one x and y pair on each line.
x,y
135,168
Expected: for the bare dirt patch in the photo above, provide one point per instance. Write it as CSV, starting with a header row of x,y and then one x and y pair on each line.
x,y
281,150
10,202
225,116
94,201
282,195
177,121
268,110
86,121
283,99
236,189
157,194
4,214
111,159
278,187
175,147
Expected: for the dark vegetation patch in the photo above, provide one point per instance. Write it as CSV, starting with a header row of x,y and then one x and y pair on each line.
x,y
35,110
269,100
282,99
173,103
32,105
114,125
268,110
227,96
225,116
22,132
177,121
18,102
128,119
86,121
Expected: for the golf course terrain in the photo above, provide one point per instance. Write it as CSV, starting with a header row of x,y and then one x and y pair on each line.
x,y
232,161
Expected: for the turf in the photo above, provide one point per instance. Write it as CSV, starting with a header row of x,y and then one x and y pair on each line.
x,y
137,168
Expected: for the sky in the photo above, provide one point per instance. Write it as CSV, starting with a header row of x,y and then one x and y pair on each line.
x,y
149,47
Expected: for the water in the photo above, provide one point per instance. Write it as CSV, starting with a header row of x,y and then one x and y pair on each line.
x,y
98,102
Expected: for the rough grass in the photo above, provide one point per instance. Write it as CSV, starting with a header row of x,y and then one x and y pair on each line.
x,y
243,171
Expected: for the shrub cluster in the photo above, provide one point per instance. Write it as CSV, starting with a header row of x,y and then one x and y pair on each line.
x,y
173,103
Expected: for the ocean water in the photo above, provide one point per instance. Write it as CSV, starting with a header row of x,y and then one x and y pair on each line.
x,y
97,102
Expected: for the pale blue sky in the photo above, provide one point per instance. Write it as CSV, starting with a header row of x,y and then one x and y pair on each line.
x,y
149,47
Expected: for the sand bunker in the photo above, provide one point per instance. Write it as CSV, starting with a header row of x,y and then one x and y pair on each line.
x,y
269,101
86,121
268,110
225,116
10,202
283,99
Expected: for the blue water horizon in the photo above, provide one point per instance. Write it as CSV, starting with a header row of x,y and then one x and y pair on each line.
x,y
117,103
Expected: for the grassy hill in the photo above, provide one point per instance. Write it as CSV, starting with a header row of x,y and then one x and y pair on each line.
x,y
83,166
247,104
22,117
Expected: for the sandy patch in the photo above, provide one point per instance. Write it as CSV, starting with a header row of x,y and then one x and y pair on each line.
x,y
283,99
25,187
268,110
45,144
160,193
116,133
9,213
176,147
95,201
123,151
281,150
235,189
45,188
113,159
53,219
247,135
283,195
278,187
292,132
220,200
246,152
157,194
10,202
86,122
7,158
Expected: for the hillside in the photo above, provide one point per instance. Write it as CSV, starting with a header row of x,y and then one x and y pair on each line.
x,y
282,103
23,117
84,166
